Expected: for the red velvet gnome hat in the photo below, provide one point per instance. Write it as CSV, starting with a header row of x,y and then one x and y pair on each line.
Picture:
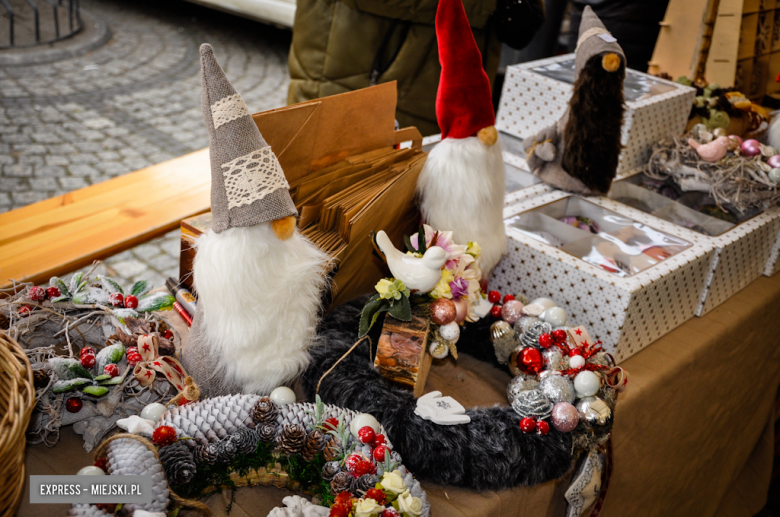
x,y
463,101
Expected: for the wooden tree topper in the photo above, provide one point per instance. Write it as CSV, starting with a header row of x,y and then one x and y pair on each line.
x,y
402,355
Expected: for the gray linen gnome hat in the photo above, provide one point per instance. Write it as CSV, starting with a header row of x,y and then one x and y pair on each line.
x,y
593,39
248,186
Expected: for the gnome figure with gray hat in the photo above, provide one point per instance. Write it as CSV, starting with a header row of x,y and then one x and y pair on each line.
x,y
580,152
258,279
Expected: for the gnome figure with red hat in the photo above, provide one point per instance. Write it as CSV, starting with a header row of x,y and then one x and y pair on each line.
x,y
461,186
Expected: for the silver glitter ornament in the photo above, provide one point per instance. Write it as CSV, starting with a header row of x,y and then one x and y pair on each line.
x,y
520,384
504,340
523,323
531,336
557,388
594,413
553,359
532,403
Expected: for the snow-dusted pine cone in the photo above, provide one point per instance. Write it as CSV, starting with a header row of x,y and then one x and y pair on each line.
x,y
341,482
330,469
302,413
86,510
315,442
245,440
265,411
531,336
205,454
532,403
267,432
226,450
291,439
211,419
129,457
364,483
178,462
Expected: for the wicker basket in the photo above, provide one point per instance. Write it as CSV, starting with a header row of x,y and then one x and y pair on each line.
x,y
17,398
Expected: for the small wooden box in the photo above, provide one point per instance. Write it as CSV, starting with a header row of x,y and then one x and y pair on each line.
x,y
402,353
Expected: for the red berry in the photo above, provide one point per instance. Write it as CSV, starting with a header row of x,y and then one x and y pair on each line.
x,y
73,405
494,296
546,341
36,294
379,452
131,302
352,461
379,440
134,358
366,434
496,311
528,425
330,424
168,334
508,297
542,427
88,361
112,370
390,512
52,293
102,463
116,299
87,350
25,310
131,349
575,351
559,336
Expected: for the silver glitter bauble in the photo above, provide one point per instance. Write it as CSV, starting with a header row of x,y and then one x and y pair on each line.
x,y
553,359
531,336
594,413
532,403
523,323
520,384
504,340
557,388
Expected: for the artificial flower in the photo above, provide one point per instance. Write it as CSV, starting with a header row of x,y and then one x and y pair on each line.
x,y
409,505
391,289
442,289
442,240
393,482
473,249
367,507
377,495
339,510
459,287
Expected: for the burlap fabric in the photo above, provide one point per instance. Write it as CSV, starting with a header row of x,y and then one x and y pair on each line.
x,y
244,190
591,41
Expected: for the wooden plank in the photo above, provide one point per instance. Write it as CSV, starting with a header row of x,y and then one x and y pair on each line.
x,y
67,232
402,353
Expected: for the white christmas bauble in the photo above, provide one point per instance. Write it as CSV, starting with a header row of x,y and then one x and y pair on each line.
x,y
439,350
362,420
544,302
91,470
450,332
586,383
555,316
576,361
153,411
283,396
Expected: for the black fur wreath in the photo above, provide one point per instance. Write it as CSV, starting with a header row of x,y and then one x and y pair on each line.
x,y
490,453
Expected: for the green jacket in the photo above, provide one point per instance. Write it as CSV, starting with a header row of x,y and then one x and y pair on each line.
x,y
337,44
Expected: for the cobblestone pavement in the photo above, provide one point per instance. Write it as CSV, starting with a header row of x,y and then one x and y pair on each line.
x,y
129,104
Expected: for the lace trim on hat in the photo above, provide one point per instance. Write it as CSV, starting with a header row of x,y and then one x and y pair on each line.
x,y
593,31
252,177
227,109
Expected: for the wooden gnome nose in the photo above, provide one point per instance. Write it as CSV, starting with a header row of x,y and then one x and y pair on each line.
x,y
284,228
488,135
610,62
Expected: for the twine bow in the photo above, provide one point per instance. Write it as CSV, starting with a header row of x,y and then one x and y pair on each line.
x,y
530,150
145,371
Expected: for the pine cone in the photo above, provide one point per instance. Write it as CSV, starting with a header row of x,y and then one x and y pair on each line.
x,y
341,482
332,450
330,469
206,454
226,450
315,442
245,440
265,411
40,378
212,419
178,463
267,433
166,347
5,323
531,336
364,483
126,339
291,439
130,457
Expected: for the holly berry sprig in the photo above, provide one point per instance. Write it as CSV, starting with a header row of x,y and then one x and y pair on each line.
x,y
530,424
494,297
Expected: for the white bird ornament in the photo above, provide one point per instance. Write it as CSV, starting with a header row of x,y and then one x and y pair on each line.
x,y
420,273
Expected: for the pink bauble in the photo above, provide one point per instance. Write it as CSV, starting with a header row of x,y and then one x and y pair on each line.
x,y
565,417
751,148
774,161
462,309
512,311
737,138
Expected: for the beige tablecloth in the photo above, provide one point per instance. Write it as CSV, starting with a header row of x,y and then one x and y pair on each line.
x,y
693,433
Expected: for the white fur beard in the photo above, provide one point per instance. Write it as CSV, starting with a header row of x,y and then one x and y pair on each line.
x,y
461,188
260,298
773,133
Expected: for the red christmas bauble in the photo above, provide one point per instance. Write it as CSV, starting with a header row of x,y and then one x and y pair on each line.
x,y
530,361
164,435
36,294
508,297
559,336
542,427
379,453
53,292
73,405
494,296
25,310
88,360
496,311
116,299
168,334
546,341
366,434
527,425
379,440
112,370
